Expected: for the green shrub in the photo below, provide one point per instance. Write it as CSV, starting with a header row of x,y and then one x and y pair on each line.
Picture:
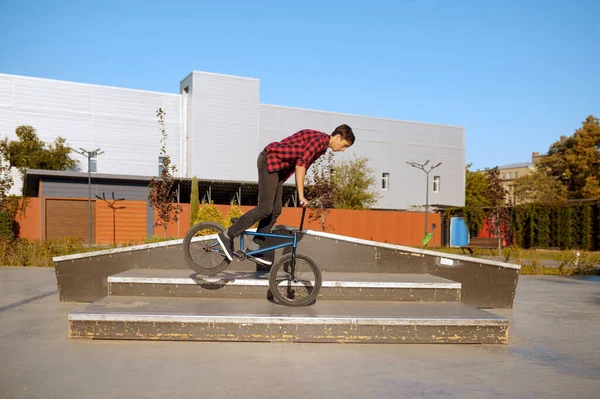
x,y
209,213
234,212
194,203
6,222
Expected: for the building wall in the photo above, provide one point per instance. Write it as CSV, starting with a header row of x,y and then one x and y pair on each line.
x,y
103,230
223,129
509,176
121,122
388,145
216,128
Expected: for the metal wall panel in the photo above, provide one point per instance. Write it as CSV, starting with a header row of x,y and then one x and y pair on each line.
x,y
388,145
80,190
224,127
122,122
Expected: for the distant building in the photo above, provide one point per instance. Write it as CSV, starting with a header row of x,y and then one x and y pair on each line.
x,y
511,172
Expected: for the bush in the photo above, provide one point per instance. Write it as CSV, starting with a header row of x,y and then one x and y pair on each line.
x,y
6,222
23,252
557,225
578,262
209,213
234,212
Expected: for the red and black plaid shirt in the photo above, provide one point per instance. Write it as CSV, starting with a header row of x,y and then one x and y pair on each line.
x,y
300,149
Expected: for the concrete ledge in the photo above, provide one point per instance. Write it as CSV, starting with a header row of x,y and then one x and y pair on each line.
x,y
342,286
262,321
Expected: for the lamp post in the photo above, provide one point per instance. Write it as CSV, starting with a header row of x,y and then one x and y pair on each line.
x,y
89,155
422,167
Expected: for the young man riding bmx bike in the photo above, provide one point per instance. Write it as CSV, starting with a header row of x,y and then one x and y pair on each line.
x,y
276,163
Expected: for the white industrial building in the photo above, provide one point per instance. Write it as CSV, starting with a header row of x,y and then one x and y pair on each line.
x,y
217,127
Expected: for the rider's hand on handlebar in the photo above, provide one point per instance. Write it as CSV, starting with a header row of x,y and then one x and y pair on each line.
x,y
303,202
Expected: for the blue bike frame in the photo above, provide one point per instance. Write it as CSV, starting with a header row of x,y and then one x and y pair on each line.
x,y
293,240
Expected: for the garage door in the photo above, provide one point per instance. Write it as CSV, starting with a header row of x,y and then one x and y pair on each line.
x,y
69,218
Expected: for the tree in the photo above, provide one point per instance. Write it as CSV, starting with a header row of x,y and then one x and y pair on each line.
x,y
6,180
161,195
476,199
30,152
497,212
353,180
539,187
575,161
194,201
322,190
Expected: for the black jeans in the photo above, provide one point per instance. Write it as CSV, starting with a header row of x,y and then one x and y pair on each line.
x,y
270,194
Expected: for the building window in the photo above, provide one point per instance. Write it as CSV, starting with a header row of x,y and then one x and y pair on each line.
x,y
436,184
516,175
385,181
509,175
160,165
502,176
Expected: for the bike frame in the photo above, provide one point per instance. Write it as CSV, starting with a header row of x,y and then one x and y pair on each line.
x,y
293,240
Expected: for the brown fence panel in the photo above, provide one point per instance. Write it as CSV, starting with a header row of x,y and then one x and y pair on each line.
x,y
129,223
29,220
69,218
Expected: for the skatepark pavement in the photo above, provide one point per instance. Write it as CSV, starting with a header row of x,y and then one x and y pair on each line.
x,y
553,352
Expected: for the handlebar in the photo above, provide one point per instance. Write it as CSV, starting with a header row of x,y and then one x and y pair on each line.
x,y
302,220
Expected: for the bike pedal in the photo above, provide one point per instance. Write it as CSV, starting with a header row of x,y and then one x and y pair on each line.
x,y
239,255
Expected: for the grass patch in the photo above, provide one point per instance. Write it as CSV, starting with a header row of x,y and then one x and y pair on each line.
x,y
568,262
24,252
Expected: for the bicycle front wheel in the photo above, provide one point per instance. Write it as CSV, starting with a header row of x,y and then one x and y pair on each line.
x,y
202,251
295,284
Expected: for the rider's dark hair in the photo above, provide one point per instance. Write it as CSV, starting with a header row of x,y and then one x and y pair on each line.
x,y
346,132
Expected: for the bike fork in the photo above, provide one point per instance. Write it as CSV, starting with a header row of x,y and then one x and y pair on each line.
x,y
293,265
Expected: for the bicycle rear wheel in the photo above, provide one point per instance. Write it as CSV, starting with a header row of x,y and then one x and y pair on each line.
x,y
202,251
295,285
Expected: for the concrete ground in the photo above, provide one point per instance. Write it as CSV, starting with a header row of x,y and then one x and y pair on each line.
x,y
553,352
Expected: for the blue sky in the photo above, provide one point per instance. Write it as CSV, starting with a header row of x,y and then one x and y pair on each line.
x,y
516,74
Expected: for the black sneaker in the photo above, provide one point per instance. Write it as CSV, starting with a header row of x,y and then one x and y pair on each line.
x,y
226,244
260,258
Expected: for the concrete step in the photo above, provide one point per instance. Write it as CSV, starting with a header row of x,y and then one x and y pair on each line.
x,y
230,284
211,319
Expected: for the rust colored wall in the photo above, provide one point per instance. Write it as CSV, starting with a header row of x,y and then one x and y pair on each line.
x,y
395,227
172,229
130,223
30,220
68,218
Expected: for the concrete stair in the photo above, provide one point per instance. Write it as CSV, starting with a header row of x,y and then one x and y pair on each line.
x,y
341,286
177,304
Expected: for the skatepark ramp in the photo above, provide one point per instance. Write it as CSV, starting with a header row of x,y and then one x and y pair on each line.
x,y
372,293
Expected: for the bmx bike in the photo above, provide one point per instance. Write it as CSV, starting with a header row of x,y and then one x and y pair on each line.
x,y
294,279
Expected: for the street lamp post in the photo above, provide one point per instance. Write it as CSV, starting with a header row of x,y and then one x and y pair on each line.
x,y
89,155
422,167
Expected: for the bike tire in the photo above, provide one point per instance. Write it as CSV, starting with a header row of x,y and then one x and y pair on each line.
x,y
288,297
217,265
